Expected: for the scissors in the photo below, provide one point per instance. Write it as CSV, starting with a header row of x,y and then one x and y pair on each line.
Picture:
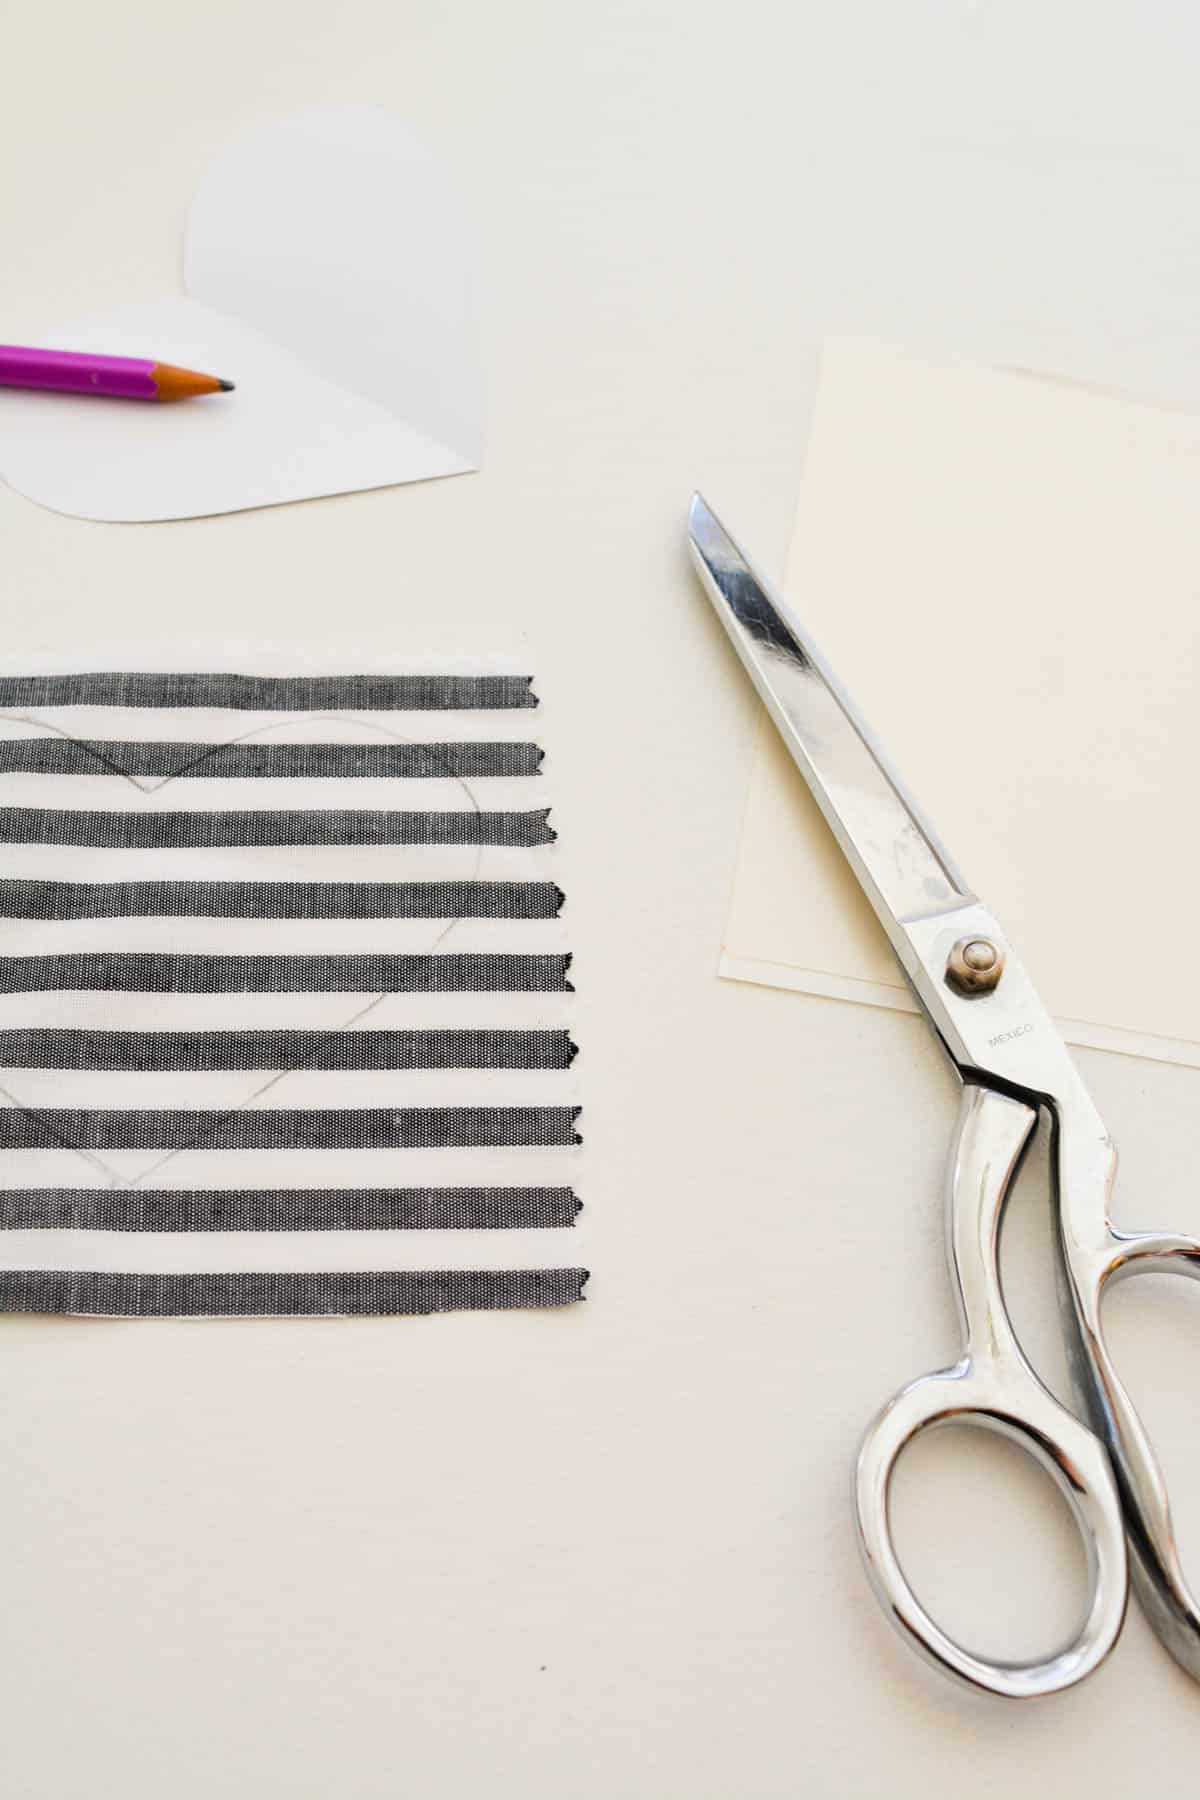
x,y
1013,1066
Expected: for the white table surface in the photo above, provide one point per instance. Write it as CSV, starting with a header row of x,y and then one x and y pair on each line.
x,y
605,1553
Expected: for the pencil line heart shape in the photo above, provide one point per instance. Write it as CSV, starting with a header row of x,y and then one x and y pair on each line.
x,y
261,749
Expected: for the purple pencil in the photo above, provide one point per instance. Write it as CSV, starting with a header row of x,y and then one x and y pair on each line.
x,y
114,377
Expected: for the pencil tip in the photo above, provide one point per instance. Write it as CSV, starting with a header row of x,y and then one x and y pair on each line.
x,y
226,386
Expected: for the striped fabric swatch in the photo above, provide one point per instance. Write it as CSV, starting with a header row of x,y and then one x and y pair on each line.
x,y
283,997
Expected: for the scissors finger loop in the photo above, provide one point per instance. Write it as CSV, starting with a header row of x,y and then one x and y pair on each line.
x,y
993,1388
1158,1574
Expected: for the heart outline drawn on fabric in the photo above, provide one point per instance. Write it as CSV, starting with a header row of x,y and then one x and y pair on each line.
x,y
149,787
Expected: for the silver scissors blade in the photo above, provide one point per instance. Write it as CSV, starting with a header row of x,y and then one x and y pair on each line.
x,y
900,863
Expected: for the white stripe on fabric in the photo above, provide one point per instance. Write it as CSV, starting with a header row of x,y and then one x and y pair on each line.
x,y
461,1167
177,1252
203,725
283,862
232,1088
283,937
182,793
70,1009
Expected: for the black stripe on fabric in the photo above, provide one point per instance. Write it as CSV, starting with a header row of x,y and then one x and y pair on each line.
x,y
289,1209
22,898
146,972
288,1128
274,693
391,762
327,827
95,1294
141,1052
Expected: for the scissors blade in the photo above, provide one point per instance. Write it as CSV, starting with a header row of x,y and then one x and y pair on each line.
x,y
900,863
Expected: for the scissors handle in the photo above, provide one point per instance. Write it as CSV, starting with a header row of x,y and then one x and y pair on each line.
x,y
1158,1576
993,1387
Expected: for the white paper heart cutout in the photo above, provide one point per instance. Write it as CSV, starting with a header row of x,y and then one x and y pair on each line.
x,y
326,274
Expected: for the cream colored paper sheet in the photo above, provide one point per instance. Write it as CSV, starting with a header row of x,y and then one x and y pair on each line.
x,y
1005,572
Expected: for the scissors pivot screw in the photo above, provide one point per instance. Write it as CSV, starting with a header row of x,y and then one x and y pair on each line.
x,y
975,965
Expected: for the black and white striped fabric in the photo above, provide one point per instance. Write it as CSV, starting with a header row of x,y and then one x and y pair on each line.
x,y
283,997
